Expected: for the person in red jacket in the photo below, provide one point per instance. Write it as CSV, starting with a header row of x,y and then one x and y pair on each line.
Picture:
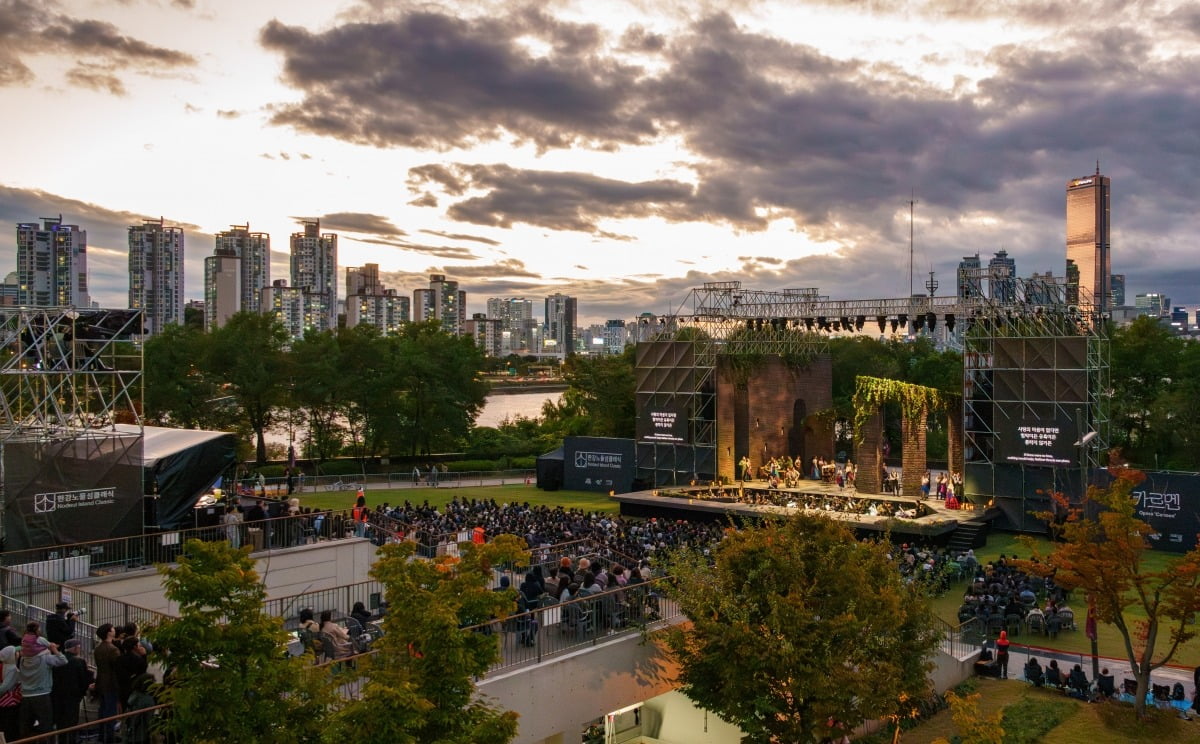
x,y
1002,654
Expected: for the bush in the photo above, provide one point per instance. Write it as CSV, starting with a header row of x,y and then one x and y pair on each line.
x,y
1029,720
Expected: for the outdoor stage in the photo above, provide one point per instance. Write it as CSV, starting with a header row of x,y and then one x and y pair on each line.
x,y
904,517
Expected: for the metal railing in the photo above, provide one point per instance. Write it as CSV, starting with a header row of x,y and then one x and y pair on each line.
x,y
530,637
276,487
340,598
94,730
104,557
960,641
32,598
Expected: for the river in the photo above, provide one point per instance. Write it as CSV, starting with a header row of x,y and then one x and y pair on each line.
x,y
499,407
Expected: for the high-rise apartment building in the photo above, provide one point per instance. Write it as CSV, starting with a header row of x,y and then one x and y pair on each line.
x,y
223,287
1002,278
253,250
516,322
363,280
156,274
443,301
1117,282
368,302
314,270
614,336
487,332
970,284
1152,303
9,290
298,310
560,325
52,264
1088,223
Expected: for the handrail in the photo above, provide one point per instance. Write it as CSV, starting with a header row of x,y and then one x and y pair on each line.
x,y
92,726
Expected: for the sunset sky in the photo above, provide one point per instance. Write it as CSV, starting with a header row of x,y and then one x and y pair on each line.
x,y
618,151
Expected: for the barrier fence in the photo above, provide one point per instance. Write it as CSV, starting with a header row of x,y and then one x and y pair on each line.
x,y
450,479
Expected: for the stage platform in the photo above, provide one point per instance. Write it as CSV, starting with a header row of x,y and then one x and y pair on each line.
x,y
904,517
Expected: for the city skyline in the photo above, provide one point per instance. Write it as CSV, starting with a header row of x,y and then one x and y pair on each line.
x,y
619,153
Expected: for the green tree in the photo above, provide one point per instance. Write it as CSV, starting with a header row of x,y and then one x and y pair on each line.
x,y
796,624
442,390
248,354
1102,554
193,317
1147,385
371,393
177,390
419,686
601,388
316,383
231,679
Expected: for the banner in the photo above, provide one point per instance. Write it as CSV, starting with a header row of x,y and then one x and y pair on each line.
x,y
598,464
77,489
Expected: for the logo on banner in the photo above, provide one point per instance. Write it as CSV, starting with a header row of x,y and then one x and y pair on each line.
x,y
44,503
598,460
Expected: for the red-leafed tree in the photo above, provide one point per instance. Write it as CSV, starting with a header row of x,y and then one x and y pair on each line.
x,y
1103,554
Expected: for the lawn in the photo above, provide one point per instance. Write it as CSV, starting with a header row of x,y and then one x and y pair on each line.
x,y
1081,722
519,493
1109,640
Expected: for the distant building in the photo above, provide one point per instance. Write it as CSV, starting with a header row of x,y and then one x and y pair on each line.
x,y
384,310
560,325
1088,227
443,301
363,280
223,287
516,322
643,328
1041,289
253,250
314,270
9,290
970,285
614,336
1118,290
1072,279
52,264
487,333
1152,303
1179,319
156,274
298,310
1002,278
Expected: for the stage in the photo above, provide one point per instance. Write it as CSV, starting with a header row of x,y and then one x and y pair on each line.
x,y
866,513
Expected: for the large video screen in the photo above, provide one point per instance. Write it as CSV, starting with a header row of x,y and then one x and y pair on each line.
x,y
1038,436
663,423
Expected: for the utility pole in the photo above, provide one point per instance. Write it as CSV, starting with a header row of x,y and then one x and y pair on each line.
x,y
911,204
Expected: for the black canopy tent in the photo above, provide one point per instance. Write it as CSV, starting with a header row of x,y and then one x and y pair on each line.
x,y
179,466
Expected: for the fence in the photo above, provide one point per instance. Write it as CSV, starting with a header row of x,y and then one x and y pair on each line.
x,y
102,557
338,599
93,730
452,479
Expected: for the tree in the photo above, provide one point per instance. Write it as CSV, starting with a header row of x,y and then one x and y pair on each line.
x,y
798,629
1145,370
371,388
441,387
974,727
1102,554
419,686
247,352
230,680
316,383
176,390
602,389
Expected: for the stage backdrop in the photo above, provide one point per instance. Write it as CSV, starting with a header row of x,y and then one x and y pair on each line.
x,y
598,464
72,490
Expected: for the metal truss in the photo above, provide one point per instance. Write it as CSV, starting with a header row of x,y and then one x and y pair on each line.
x,y
64,371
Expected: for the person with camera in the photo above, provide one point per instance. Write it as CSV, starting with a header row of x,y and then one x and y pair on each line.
x,y
60,627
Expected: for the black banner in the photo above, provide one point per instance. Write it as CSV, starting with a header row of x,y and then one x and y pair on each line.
x,y
72,490
598,464
1039,438
1170,503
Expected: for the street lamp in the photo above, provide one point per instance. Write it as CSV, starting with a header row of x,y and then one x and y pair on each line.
x,y
1083,443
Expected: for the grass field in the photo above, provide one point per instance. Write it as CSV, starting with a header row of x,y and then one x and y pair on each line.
x,y
1082,722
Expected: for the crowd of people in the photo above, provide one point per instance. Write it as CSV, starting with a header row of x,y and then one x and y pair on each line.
x,y
788,471
43,679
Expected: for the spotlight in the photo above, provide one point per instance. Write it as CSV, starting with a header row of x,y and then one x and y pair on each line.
x,y
837,325
895,325
918,323
859,322
808,323
882,321
931,321
846,323
775,323
950,322
821,324
903,318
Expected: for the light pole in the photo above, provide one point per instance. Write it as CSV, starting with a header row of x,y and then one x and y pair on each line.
x,y
1082,444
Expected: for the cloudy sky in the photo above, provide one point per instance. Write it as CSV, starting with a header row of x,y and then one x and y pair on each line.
x,y
618,150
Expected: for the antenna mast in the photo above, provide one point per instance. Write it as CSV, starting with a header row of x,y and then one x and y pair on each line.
x,y
911,203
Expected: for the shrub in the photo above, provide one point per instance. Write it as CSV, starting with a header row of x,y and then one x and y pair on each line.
x,y
1028,720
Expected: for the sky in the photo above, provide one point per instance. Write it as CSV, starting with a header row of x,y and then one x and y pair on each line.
x,y
621,151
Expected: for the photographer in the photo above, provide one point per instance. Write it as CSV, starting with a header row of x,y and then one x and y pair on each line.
x,y
60,627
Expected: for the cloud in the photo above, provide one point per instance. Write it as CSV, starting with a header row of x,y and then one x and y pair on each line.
x,y
440,251
461,236
432,80
503,269
28,28
228,114
359,222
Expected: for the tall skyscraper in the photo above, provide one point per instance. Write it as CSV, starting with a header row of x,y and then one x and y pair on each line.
x,y
1088,223
1117,282
253,250
52,264
443,301
560,324
970,284
1002,278
314,271
223,287
614,336
156,274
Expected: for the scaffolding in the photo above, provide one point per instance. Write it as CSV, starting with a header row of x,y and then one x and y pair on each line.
x,y
68,376
724,320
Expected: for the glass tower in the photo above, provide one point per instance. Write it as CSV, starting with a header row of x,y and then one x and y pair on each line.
x,y
1088,237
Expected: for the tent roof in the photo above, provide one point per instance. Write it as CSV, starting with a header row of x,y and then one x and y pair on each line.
x,y
552,455
159,442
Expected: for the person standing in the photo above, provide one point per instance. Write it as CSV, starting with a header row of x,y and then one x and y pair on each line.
x,y
35,662
745,465
60,627
416,475
433,475
108,690
233,525
1002,654
71,683
10,701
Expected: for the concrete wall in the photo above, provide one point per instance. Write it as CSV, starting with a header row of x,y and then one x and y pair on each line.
x,y
306,568
674,719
